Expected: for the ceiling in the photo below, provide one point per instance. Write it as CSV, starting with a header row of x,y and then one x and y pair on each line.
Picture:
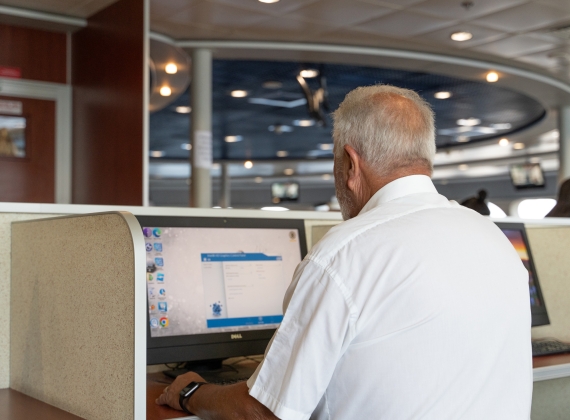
x,y
254,118
518,30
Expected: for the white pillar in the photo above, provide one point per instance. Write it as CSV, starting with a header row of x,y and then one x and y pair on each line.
x,y
225,188
201,128
564,154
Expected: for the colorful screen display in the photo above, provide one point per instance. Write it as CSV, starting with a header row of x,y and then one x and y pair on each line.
x,y
516,238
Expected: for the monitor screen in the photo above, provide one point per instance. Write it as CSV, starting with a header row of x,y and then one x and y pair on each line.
x,y
212,282
285,191
527,175
516,234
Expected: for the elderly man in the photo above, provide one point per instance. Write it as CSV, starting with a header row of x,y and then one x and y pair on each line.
x,y
414,308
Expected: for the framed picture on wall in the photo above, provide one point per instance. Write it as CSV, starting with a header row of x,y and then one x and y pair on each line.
x,y
12,136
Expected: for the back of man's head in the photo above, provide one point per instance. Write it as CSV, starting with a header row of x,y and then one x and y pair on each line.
x,y
391,128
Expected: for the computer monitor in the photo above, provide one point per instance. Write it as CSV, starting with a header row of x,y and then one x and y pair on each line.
x,y
285,191
516,234
216,285
527,175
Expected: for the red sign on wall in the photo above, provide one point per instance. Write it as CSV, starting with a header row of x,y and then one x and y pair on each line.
x,y
13,72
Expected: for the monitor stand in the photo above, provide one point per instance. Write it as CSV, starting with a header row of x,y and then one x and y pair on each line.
x,y
215,371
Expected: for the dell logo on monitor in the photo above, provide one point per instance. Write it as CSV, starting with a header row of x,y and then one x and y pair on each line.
x,y
236,337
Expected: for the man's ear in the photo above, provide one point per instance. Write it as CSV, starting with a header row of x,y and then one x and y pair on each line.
x,y
353,168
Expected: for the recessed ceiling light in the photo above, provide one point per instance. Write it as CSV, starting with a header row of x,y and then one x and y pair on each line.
x,y
326,146
275,208
171,68
272,84
288,171
504,142
233,139
309,73
461,36
239,93
492,77
519,146
156,153
165,91
326,177
282,153
183,109
501,126
258,180
280,128
248,164
468,122
304,123
442,95
463,167
268,1
186,146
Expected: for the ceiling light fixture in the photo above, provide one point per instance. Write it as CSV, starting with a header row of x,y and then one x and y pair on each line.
x,y
304,123
186,146
156,153
165,91
233,139
171,68
248,164
288,171
309,73
504,142
258,180
238,93
463,167
501,126
468,122
442,95
326,146
492,76
519,146
272,84
282,153
183,109
461,36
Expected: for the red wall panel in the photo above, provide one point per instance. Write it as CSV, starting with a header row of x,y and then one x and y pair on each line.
x,y
40,55
107,78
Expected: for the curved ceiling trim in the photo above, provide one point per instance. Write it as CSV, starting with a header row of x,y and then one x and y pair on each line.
x,y
382,52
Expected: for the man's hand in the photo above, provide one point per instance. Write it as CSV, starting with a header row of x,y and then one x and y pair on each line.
x,y
171,393
215,401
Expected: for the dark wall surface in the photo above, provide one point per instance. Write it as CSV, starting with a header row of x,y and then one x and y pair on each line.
x,y
107,78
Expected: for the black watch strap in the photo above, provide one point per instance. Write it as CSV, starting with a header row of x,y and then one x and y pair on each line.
x,y
187,392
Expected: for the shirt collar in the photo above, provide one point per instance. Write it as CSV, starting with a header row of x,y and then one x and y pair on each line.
x,y
400,187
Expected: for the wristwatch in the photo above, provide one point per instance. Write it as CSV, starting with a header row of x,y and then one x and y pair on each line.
x,y
187,392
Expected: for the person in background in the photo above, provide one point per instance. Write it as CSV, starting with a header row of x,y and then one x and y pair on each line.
x,y
478,203
562,207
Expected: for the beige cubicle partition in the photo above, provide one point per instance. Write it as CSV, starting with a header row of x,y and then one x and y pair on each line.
x,y
78,314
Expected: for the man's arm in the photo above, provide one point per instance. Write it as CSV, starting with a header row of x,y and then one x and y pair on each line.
x,y
215,402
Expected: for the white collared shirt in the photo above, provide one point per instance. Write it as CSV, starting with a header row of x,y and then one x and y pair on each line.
x,y
417,308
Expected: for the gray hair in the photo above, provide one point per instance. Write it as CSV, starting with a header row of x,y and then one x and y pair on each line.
x,y
389,127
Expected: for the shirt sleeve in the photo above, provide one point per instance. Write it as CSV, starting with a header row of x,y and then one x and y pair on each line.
x,y
302,355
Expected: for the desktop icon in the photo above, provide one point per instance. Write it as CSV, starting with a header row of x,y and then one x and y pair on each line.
x,y
152,307
159,262
162,307
158,247
162,293
148,247
154,323
157,232
160,277
216,309
164,322
147,232
151,293
149,277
